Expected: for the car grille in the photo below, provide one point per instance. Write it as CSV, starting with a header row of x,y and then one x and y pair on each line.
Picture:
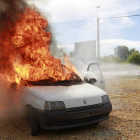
x,y
88,119
84,107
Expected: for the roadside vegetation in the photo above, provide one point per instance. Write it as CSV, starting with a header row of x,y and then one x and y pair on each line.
x,y
122,54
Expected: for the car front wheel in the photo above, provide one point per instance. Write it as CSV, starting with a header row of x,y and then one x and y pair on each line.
x,y
34,124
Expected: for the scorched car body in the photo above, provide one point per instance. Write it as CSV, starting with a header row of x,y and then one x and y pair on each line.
x,y
66,106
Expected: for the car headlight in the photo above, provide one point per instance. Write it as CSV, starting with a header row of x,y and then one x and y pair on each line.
x,y
56,105
105,99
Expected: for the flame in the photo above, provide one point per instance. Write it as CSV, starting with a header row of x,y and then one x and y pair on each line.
x,y
2,108
26,54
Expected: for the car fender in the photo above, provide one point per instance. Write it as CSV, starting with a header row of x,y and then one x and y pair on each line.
x,y
31,100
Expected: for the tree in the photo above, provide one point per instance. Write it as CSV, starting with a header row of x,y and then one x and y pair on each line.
x,y
111,59
121,52
132,51
107,59
117,59
134,58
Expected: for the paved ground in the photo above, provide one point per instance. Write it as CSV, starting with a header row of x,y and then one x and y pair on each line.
x,y
124,122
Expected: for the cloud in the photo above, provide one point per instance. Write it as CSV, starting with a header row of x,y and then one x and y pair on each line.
x,y
128,43
67,10
116,24
108,45
62,12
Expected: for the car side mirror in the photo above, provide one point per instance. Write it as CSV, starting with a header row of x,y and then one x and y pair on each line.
x,y
91,80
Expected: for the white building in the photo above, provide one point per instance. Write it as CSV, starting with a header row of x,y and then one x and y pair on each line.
x,y
85,51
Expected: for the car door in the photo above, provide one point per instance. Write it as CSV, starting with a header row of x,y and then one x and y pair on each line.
x,y
94,73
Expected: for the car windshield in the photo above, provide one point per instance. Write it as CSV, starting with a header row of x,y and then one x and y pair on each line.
x,y
49,82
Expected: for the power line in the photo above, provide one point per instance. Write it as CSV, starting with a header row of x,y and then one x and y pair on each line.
x,y
72,27
121,17
92,21
81,35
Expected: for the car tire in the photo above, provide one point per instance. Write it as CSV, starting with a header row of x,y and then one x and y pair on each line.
x,y
96,123
27,112
34,124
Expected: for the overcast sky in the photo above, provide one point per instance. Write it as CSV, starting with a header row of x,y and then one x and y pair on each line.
x,y
64,14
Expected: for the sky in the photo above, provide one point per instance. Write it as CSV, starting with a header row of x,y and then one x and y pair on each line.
x,y
65,14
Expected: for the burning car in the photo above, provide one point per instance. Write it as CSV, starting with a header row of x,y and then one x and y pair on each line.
x,y
49,93
66,104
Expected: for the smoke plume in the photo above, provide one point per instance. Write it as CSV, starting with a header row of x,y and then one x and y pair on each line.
x,y
115,70
9,12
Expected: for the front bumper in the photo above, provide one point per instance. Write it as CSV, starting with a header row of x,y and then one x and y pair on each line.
x,y
53,120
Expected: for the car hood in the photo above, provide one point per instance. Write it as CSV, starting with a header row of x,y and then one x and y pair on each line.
x,y
63,93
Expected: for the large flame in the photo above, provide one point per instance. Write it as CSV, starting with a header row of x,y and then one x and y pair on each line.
x,y
25,52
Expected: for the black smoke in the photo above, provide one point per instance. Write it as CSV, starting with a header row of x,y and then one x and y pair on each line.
x,y
10,12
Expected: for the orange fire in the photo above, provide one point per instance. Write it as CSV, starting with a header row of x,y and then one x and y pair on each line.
x,y
2,108
25,52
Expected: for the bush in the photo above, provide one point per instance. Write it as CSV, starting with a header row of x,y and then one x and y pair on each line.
x,y
112,59
134,58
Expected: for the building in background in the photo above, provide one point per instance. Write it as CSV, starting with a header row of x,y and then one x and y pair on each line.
x,y
85,51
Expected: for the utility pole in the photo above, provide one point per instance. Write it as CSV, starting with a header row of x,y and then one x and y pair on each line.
x,y
98,36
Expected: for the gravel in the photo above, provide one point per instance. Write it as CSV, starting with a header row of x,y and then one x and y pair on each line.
x,y
124,122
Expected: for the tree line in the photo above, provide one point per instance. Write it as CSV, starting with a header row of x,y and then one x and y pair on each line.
x,y
122,54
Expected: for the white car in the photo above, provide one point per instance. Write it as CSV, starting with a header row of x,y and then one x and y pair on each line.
x,y
68,104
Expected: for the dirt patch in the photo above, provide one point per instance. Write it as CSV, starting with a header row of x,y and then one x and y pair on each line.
x,y
124,122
